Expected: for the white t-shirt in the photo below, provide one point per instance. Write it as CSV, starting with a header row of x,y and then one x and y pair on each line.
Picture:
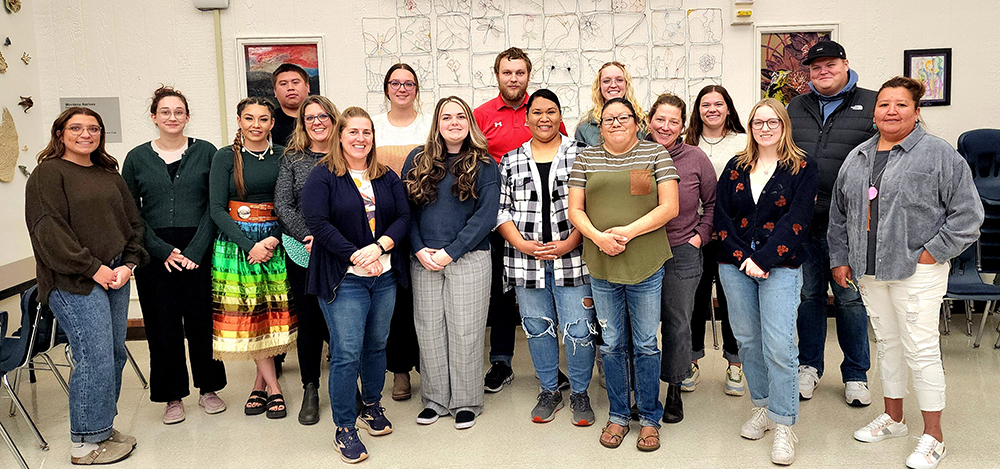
x,y
413,134
368,196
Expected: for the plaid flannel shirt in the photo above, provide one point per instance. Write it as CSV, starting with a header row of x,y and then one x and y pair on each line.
x,y
521,203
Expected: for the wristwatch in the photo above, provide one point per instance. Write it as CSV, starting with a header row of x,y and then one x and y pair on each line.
x,y
380,246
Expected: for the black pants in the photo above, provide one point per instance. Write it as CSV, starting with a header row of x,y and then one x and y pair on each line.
x,y
312,327
503,316
703,307
176,305
402,353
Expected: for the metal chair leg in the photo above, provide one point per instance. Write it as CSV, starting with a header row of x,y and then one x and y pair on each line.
x,y
715,332
17,402
52,366
135,367
982,324
968,317
945,308
13,447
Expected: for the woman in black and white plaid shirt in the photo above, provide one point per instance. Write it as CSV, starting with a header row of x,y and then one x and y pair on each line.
x,y
543,259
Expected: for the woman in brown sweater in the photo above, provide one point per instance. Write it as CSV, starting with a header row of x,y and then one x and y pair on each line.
x,y
86,233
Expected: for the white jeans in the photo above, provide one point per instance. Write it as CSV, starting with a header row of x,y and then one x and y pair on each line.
x,y
904,314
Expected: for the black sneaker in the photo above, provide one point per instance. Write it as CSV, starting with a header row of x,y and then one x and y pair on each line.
x,y
427,416
373,418
673,408
563,381
351,449
499,375
465,419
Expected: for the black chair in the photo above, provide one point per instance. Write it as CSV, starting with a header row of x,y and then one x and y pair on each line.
x,y
965,284
981,148
3,431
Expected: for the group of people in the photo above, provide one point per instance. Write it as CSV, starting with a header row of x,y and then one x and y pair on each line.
x,y
400,253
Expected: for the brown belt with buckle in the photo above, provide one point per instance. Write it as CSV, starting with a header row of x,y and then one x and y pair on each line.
x,y
245,211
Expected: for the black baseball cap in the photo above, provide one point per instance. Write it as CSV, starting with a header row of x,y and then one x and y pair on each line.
x,y
824,49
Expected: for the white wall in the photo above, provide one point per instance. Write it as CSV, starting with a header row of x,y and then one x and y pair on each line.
x,y
126,49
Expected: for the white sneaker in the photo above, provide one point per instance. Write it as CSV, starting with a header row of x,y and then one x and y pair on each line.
x,y
881,428
783,450
808,379
735,385
856,393
691,382
928,453
759,423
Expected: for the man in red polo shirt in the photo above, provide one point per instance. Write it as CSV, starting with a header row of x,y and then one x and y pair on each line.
x,y
503,120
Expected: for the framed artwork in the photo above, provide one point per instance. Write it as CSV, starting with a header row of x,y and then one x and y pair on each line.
x,y
782,50
932,67
258,57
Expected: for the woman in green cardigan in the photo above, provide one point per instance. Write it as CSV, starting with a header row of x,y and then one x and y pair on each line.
x,y
168,178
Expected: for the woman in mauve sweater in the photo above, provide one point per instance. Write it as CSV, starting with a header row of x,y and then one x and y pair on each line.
x,y
86,234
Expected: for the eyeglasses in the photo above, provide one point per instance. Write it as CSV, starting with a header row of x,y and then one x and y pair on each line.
x,y
318,117
622,119
166,113
616,80
758,124
78,129
407,85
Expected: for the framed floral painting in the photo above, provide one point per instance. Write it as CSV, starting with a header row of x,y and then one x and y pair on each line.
x,y
782,50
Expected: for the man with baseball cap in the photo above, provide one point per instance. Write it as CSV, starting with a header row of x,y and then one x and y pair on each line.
x,y
827,123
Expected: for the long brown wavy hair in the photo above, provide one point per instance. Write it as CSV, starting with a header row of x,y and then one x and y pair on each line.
x,y
300,138
56,148
241,186
429,165
693,134
334,159
790,156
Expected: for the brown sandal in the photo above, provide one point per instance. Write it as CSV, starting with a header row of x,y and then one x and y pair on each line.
x,y
616,437
643,443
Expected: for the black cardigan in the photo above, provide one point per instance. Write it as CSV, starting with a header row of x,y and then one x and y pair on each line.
x,y
776,225
335,214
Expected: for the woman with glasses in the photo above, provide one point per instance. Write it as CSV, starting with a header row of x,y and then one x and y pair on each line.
x,y
716,129
168,178
612,81
252,318
399,131
86,233
764,203
621,193
310,141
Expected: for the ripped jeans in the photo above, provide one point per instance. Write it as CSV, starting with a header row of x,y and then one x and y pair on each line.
x,y
552,309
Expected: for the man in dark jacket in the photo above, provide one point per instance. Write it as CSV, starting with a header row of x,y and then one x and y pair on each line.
x,y
828,123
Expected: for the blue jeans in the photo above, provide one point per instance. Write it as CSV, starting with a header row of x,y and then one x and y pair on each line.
x,y
852,319
95,324
358,318
620,306
762,312
546,310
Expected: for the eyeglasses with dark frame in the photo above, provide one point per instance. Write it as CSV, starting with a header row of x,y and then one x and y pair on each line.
x,y
320,117
407,85
758,124
622,119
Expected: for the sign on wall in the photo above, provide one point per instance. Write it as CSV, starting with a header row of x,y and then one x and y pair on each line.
x,y
109,110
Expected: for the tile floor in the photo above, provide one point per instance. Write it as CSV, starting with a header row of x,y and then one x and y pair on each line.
x,y
505,437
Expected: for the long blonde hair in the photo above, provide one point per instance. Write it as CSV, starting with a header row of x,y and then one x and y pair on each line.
x,y
790,156
300,138
429,165
598,99
334,159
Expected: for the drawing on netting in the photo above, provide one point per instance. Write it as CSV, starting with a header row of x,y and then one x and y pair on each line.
x,y
668,62
705,61
705,26
525,7
592,62
569,101
640,86
415,35
452,32
628,6
413,7
481,8
525,31
668,27
453,6
674,86
630,29
490,34
562,32
561,67
481,95
453,67
535,56
594,31
694,86
375,68
556,7
380,36
634,58
482,71
665,4
375,102
423,65
464,92
587,6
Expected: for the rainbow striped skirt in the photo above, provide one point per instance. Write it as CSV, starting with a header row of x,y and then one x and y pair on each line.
x,y
251,318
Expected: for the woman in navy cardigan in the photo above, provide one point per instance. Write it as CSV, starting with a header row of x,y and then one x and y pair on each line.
x,y
764,202
357,212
